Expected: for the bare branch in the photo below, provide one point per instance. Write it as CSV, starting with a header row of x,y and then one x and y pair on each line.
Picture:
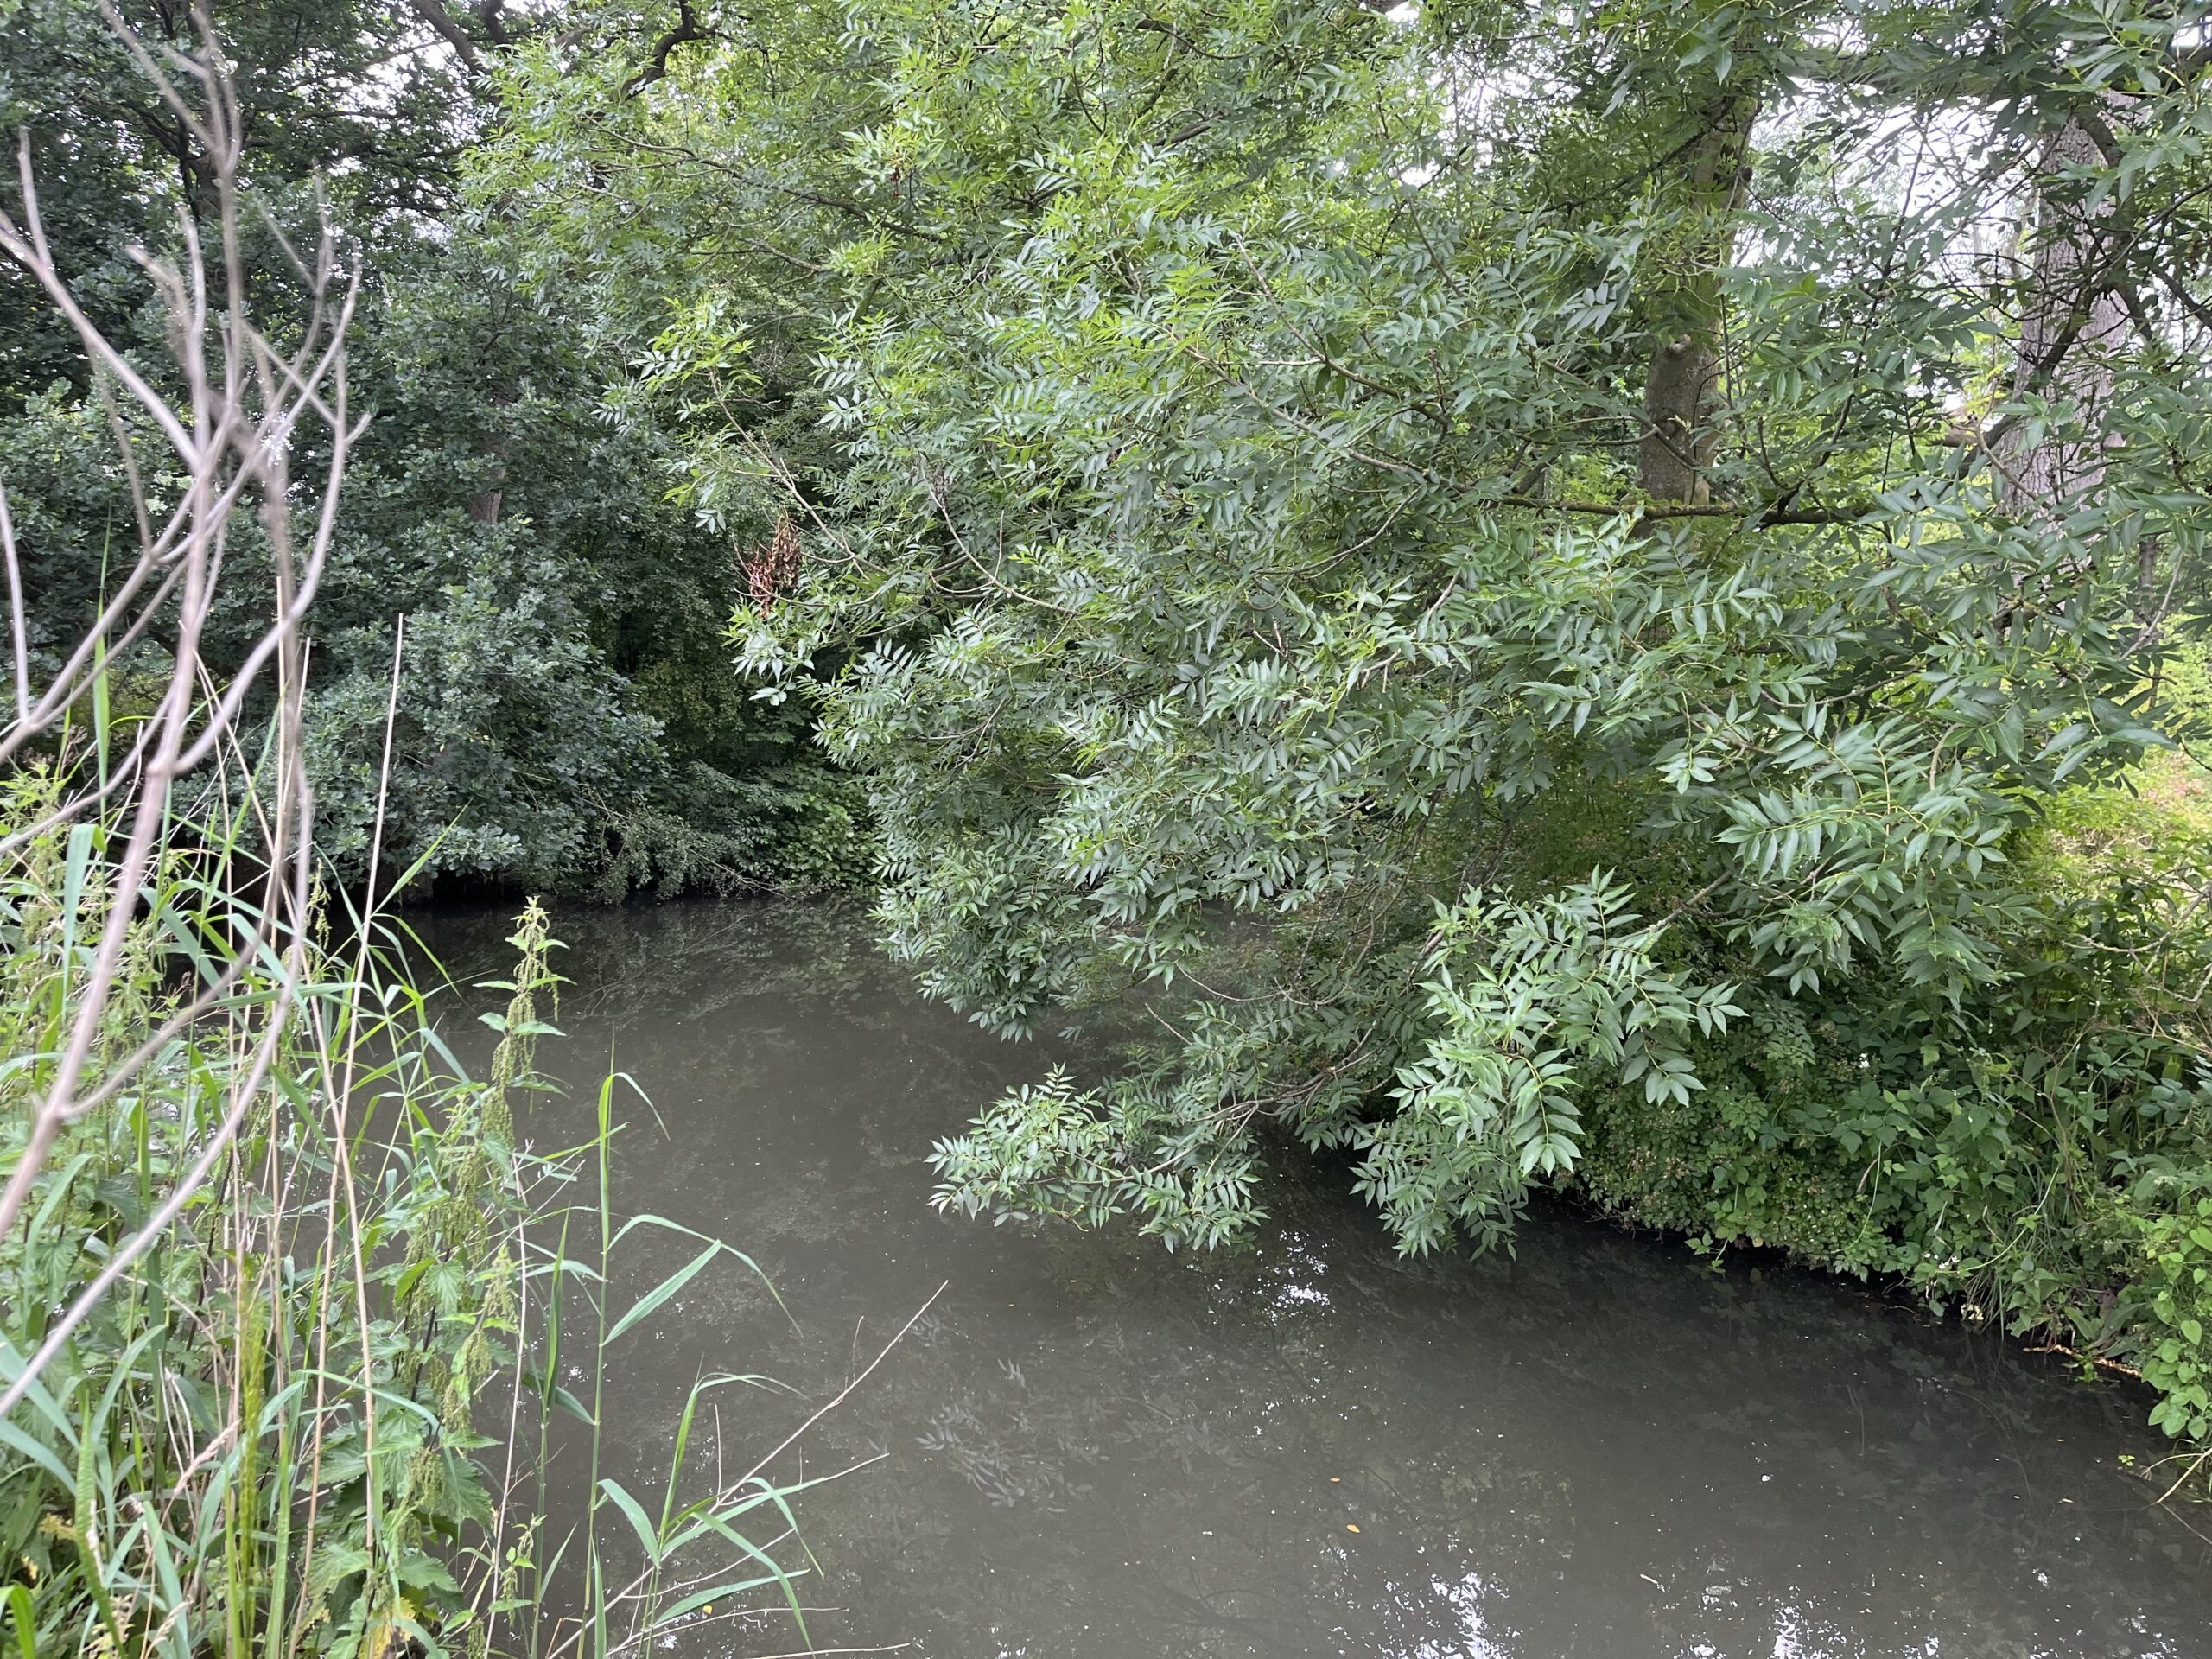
x,y
19,633
231,424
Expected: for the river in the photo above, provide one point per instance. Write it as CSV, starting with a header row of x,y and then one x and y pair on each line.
x,y
1090,1449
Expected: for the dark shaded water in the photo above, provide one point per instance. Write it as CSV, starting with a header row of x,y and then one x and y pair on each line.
x,y
1096,1451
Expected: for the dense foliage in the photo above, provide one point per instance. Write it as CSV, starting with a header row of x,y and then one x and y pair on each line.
x,y
1602,596
565,711
1648,542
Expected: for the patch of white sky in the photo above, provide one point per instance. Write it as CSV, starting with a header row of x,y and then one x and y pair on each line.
x,y
390,75
1914,174
379,94
1467,101
1923,197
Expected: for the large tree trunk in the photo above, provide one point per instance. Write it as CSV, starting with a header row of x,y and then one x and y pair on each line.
x,y
2071,329
1679,436
1679,432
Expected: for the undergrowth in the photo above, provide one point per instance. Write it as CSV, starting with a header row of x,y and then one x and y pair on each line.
x,y
2040,1156
315,1415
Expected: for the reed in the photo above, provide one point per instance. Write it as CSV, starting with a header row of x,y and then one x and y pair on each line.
x,y
316,1410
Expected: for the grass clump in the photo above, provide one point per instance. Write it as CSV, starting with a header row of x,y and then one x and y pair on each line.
x,y
314,1411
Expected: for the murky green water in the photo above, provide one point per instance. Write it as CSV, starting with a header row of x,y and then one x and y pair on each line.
x,y
1092,1450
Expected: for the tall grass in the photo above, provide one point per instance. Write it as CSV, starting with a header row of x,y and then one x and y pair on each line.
x,y
317,1411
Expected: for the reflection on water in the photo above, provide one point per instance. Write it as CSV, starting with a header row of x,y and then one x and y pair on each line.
x,y
1092,1450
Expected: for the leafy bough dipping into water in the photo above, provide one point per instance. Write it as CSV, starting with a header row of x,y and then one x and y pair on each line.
x,y
1573,523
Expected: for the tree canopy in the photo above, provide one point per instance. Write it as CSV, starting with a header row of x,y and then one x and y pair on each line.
x,y
1645,546
564,712
1603,595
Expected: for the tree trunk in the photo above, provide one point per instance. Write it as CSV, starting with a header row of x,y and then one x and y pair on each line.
x,y
484,506
2071,327
1679,438
1680,434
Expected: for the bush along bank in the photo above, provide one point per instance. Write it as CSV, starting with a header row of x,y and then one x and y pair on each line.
x,y
2040,1156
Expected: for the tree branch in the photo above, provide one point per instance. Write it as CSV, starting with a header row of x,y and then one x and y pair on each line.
x,y
688,28
1846,514
434,13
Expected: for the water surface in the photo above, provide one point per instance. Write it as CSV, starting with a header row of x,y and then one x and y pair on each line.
x,y
1093,1449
